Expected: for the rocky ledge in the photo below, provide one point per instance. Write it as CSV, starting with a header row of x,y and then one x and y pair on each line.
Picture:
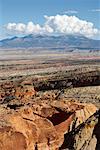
x,y
29,121
50,126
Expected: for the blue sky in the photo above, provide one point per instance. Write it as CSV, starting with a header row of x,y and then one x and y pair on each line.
x,y
24,11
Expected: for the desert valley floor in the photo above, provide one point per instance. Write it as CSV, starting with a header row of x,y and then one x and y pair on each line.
x,y
49,100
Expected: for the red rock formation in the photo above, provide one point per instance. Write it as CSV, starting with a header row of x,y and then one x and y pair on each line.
x,y
24,92
10,91
42,126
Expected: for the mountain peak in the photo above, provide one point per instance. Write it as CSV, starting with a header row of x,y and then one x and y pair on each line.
x,y
47,41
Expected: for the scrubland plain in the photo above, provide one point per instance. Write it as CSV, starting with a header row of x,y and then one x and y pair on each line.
x,y
49,100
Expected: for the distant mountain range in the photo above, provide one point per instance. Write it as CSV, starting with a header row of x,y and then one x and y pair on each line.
x,y
52,42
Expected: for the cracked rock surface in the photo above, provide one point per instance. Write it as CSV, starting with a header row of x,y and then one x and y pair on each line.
x,y
35,120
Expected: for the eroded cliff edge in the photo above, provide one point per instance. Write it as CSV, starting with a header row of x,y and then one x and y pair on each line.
x,y
46,120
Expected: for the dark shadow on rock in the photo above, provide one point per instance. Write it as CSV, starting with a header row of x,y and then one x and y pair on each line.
x,y
68,142
97,133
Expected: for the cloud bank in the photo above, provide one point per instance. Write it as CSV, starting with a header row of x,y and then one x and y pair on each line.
x,y
59,24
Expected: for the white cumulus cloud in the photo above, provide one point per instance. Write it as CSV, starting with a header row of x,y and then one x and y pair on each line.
x,y
32,28
11,26
59,24
71,25
19,27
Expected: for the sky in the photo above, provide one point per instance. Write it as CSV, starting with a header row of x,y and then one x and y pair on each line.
x,y
21,17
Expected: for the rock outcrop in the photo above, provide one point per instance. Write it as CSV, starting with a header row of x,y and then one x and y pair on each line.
x,y
31,120
10,91
47,126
